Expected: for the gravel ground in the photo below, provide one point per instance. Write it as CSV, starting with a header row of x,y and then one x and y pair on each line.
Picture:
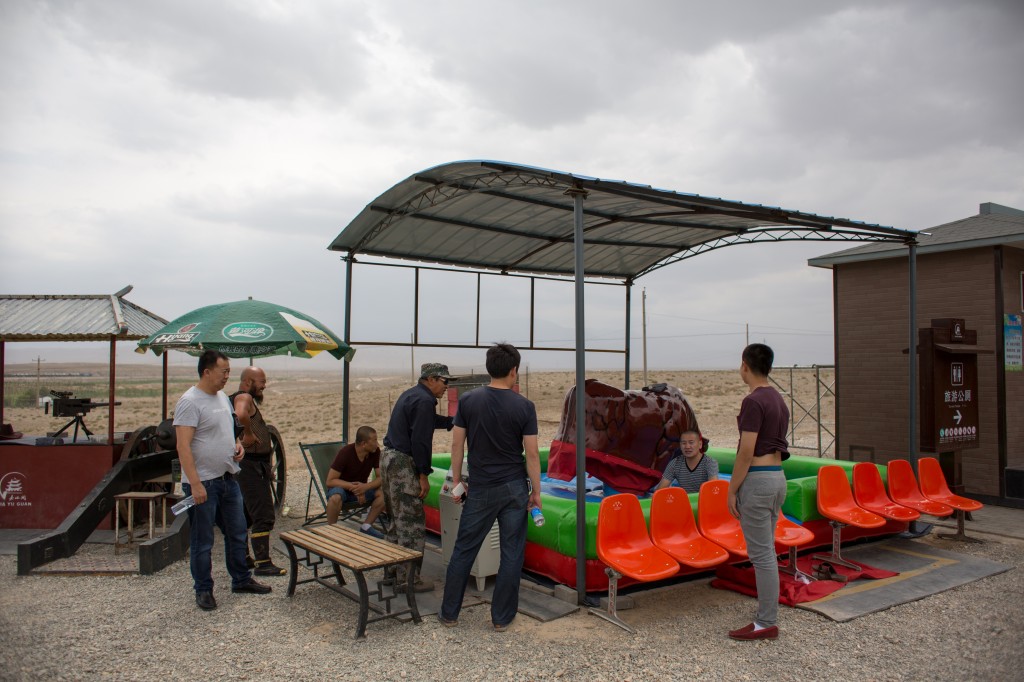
x,y
142,627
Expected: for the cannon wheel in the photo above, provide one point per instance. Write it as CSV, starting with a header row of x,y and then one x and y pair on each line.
x,y
279,467
139,442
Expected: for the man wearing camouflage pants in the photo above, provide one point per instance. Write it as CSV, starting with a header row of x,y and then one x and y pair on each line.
x,y
406,462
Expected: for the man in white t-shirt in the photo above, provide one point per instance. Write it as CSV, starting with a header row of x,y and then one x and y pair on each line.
x,y
209,453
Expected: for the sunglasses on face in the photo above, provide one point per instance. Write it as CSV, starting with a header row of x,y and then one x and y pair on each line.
x,y
442,380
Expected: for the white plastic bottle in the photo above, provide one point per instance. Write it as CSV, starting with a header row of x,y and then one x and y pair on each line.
x,y
183,505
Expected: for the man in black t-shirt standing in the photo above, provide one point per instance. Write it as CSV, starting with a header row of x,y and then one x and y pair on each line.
x,y
499,425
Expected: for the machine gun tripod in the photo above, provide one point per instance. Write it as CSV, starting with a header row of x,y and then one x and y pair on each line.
x,y
65,404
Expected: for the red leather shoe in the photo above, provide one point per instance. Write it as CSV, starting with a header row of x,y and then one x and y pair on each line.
x,y
747,633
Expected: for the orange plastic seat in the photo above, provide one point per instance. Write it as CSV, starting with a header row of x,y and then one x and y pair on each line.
x,y
869,491
716,521
903,490
674,530
836,503
626,549
933,485
792,535
789,534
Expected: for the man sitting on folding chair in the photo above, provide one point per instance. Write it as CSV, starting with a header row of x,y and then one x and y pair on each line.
x,y
347,480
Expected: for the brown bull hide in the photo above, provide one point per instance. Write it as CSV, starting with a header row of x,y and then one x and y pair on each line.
x,y
630,435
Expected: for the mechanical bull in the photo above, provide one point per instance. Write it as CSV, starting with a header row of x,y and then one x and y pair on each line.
x,y
630,435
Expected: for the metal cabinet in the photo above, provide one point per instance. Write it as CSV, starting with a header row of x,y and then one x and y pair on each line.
x,y
489,557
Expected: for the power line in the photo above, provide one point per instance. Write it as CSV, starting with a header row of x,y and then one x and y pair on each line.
x,y
683,336
738,324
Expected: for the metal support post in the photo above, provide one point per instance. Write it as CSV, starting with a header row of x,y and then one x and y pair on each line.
x,y
578,195
345,399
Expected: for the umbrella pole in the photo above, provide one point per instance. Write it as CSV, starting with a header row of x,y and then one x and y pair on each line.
x,y
164,412
250,357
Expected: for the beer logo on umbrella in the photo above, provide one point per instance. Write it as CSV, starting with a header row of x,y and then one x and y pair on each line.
x,y
248,331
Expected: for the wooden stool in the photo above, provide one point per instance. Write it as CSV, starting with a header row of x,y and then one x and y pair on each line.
x,y
130,498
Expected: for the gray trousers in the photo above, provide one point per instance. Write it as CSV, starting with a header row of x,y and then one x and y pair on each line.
x,y
760,501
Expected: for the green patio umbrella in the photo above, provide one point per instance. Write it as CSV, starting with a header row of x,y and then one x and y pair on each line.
x,y
247,329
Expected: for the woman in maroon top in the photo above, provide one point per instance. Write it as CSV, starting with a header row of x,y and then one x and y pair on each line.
x,y
757,488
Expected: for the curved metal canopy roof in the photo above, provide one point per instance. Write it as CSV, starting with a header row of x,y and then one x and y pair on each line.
x,y
512,218
489,215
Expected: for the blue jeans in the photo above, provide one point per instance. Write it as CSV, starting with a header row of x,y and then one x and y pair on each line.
x,y
506,503
349,497
225,509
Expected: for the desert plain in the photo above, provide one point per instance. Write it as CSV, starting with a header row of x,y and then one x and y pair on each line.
x,y
306,406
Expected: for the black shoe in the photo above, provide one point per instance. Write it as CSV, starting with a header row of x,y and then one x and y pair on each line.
x,y
252,587
269,568
205,601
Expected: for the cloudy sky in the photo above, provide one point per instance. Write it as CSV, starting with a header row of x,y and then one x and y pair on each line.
x,y
206,151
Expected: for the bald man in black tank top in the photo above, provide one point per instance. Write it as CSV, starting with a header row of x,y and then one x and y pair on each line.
x,y
256,475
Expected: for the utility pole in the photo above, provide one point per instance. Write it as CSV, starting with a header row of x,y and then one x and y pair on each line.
x,y
748,335
39,360
643,326
412,359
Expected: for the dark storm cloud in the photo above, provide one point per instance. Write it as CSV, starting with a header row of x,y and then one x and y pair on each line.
x,y
546,64
308,210
905,74
899,80
226,49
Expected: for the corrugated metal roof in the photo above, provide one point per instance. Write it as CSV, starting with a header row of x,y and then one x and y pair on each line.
x,y
514,218
987,229
74,318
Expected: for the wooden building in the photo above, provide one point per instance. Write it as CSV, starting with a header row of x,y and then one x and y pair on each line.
x,y
972,269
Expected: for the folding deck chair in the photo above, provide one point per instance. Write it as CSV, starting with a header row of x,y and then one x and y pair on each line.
x,y
318,458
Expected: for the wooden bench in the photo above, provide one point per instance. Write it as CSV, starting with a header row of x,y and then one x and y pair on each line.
x,y
358,552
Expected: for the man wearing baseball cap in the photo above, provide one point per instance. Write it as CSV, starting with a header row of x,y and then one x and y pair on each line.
x,y
405,464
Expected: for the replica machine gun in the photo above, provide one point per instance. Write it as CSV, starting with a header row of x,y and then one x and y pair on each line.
x,y
65,404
